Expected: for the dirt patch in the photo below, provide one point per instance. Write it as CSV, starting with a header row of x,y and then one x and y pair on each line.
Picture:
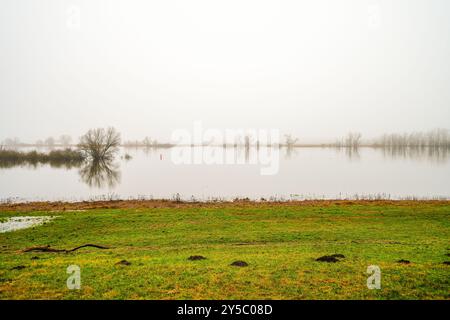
x,y
196,258
446,263
124,263
331,258
403,261
18,268
35,258
327,259
239,263
254,243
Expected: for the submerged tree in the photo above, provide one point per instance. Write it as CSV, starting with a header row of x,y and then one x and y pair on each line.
x,y
11,142
353,140
290,141
50,142
65,140
100,144
437,138
147,142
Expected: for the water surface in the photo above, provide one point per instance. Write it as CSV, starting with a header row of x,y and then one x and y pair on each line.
x,y
303,173
18,223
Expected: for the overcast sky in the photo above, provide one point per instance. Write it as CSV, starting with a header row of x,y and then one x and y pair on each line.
x,y
316,69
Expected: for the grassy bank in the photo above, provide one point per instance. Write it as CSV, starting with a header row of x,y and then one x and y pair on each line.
x,y
280,242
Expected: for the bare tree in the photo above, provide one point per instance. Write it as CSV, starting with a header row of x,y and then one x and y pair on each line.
x,y
247,140
352,140
65,140
437,138
290,141
11,142
50,141
147,142
100,144
356,139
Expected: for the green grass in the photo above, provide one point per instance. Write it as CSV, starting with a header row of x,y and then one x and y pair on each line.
x,y
279,242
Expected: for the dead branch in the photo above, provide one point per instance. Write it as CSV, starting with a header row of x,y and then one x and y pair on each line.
x,y
48,249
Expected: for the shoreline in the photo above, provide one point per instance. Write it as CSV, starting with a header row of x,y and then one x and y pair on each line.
x,y
148,204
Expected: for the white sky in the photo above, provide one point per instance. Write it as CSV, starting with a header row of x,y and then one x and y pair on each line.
x,y
316,69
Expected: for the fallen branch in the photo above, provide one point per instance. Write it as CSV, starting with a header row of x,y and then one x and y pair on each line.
x,y
42,249
48,249
88,245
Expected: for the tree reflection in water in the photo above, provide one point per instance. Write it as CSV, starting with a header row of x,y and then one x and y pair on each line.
x,y
100,173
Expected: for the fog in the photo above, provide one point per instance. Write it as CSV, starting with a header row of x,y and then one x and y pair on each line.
x,y
316,69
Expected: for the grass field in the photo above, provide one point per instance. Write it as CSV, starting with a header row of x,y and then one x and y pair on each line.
x,y
279,241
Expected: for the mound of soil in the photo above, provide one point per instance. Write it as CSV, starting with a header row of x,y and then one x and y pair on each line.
x,y
331,258
327,259
123,263
239,264
196,258
18,268
404,261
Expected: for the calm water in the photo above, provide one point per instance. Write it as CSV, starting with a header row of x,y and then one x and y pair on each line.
x,y
18,223
302,173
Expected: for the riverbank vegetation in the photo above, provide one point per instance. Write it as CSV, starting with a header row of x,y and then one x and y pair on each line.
x,y
56,158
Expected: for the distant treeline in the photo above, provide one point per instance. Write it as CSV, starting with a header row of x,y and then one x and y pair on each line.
x,y
63,141
434,138
147,142
438,138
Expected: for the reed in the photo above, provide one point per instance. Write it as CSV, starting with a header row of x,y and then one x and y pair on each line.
x,y
66,157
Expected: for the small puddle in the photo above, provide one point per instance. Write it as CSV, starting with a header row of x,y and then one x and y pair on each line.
x,y
17,223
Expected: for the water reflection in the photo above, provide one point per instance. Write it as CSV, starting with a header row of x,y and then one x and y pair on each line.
x,y
312,172
353,154
290,151
438,155
432,154
100,173
36,165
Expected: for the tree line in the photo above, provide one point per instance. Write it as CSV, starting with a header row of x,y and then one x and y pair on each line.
x,y
64,140
433,138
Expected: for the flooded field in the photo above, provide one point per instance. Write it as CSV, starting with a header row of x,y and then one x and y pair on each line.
x,y
298,173
18,223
